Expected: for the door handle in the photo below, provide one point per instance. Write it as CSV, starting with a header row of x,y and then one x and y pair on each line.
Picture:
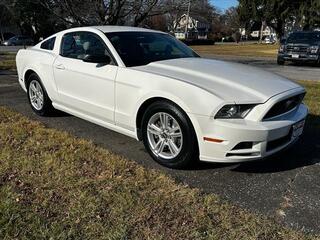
x,y
59,66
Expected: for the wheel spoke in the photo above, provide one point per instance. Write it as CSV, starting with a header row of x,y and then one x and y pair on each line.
x,y
166,121
152,128
176,134
41,97
162,117
173,147
37,102
37,85
32,98
159,146
174,129
33,88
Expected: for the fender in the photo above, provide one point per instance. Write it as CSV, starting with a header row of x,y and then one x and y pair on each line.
x,y
46,79
174,99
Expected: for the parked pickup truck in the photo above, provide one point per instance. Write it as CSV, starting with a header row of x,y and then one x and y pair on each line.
x,y
300,46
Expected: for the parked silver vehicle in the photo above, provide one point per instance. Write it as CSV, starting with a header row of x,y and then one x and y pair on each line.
x,y
18,40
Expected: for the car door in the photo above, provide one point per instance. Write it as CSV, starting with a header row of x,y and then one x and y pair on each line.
x,y
85,87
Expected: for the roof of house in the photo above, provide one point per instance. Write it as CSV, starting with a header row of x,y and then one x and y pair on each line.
x,y
197,18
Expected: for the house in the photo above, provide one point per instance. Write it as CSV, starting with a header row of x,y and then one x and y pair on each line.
x,y
254,31
267,31
196,27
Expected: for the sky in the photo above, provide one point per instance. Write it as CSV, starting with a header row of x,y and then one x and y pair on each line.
x,y
224,4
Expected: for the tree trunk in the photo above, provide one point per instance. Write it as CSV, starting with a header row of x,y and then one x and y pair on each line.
x,y
263,23
1,32
279,28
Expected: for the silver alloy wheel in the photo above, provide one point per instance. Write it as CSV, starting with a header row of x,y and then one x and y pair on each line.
x,y
164,135
36,95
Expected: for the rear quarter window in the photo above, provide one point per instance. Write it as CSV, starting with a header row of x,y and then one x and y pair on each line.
x,y
48,44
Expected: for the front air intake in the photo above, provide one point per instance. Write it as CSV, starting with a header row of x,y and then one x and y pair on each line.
x,y
284,106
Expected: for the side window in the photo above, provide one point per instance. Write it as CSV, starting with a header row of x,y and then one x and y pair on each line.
x,y
49,44
78,44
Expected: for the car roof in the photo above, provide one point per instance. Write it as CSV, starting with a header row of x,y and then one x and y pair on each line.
x,y
110,28
107,29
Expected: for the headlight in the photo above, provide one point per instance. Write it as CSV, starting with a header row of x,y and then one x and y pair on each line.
x,y
314,49
281,48
234,111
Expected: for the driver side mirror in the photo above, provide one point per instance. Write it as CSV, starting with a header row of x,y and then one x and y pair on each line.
x,y
101,59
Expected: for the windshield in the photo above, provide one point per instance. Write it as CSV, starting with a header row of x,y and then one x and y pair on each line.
x,y
304,37
142,48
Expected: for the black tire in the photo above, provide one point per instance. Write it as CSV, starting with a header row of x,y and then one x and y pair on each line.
x,y
47,108
280,61
189,152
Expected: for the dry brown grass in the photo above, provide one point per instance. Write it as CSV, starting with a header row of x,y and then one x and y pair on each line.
x,y
252,50
7,61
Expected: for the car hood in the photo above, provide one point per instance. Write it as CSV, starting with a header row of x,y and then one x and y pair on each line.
x,y
231,82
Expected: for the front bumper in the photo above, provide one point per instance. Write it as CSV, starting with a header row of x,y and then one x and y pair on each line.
x,y
306,57
267,137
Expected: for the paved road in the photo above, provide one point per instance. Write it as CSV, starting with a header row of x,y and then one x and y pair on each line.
x,y
290,70
10,48
285,187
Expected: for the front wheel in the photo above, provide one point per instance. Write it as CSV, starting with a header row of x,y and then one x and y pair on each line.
x,y
168,135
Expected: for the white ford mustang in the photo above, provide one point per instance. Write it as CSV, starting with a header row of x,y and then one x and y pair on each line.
x,y
148,85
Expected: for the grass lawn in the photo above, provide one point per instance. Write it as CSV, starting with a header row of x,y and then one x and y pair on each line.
x,y
255,50
56,186
7,61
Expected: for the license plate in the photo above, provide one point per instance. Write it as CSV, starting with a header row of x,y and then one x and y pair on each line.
x,y
295,55
297,129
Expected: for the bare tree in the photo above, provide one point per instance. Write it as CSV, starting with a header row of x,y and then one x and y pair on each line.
x,y
5,18
175,13
97,12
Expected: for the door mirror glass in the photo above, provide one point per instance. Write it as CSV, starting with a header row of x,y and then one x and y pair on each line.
x,y
102,59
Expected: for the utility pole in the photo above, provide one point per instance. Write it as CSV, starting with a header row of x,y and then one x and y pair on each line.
x,y
188,16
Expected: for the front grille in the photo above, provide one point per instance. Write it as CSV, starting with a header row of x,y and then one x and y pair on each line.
x,y
284,106
297,49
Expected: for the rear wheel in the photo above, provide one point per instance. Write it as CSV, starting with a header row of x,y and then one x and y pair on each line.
x,y
38,97
168,135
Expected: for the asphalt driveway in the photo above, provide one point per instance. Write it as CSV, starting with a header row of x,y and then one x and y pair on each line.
x,y
290,70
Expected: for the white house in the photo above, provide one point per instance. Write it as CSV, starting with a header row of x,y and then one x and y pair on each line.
x,y
196,27
268,31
